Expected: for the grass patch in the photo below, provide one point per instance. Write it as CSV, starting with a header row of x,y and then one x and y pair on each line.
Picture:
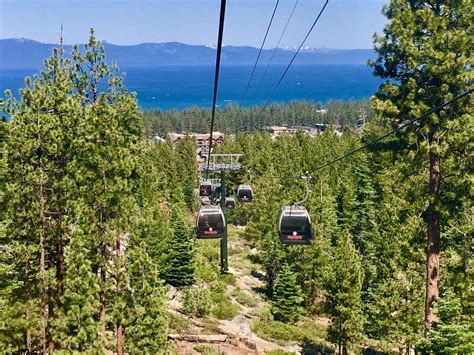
x,y
278,352
244,298
211,326
281,333
228,279
225,309
178,324
262,313
207,350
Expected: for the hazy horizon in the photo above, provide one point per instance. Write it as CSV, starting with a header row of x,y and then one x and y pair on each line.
x,y
104,40
193,22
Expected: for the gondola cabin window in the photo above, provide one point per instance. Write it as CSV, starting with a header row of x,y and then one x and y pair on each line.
x,y
205,189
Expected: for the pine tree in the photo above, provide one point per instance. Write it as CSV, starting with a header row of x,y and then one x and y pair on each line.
x,y
287,301
36,154
315,270
187,169
145,323
450,335
76,328
425,58
181,259
347,319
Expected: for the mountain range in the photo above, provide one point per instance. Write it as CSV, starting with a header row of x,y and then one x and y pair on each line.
x,y
27,53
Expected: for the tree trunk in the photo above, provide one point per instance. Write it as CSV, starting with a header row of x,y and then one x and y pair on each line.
x,y
103,298
119,327
433,240
51,316
119,338
42,269
60,272
28,298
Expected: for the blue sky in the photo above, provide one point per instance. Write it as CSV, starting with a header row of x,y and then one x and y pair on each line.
x,y
345,24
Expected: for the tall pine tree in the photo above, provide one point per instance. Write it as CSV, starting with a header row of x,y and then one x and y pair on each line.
x,y
425,57
347,319
181,258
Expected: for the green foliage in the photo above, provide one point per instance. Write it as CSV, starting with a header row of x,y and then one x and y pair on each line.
x,y
244,298
225,309
287,300
232,119
76,328
146,313
451,335
197,301
74,196
178,324
222,308
347,319
181,259
282,333
425,58
207,350
278,352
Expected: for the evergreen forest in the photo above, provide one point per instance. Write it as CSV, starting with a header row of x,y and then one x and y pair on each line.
x,y
97,246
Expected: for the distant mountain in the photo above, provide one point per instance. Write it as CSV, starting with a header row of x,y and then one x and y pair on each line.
x,y
27,53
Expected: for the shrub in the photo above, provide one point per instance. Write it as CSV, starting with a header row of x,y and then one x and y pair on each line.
x,y
207,350
197,301
282,333
225,309
178,324
244,298
262,313
278,352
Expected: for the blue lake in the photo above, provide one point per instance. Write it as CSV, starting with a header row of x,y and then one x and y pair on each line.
x,y
183,86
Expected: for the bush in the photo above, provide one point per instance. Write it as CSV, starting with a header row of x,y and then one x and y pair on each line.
x,y
225,309
178,324
228,279
197,301
262,313
278,352
244,298
207,350
282,333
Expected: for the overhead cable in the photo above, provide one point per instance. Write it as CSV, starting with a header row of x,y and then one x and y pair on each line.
x,y
409,123
277,46
216,78
259,53
294,56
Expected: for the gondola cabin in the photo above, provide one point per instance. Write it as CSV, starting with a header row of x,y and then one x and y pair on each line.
x,y
210,222
229,202
294,225
205,188
245,193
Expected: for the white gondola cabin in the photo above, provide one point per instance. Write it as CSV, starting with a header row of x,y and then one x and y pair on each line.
x,y
210,222
245,193
294,225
